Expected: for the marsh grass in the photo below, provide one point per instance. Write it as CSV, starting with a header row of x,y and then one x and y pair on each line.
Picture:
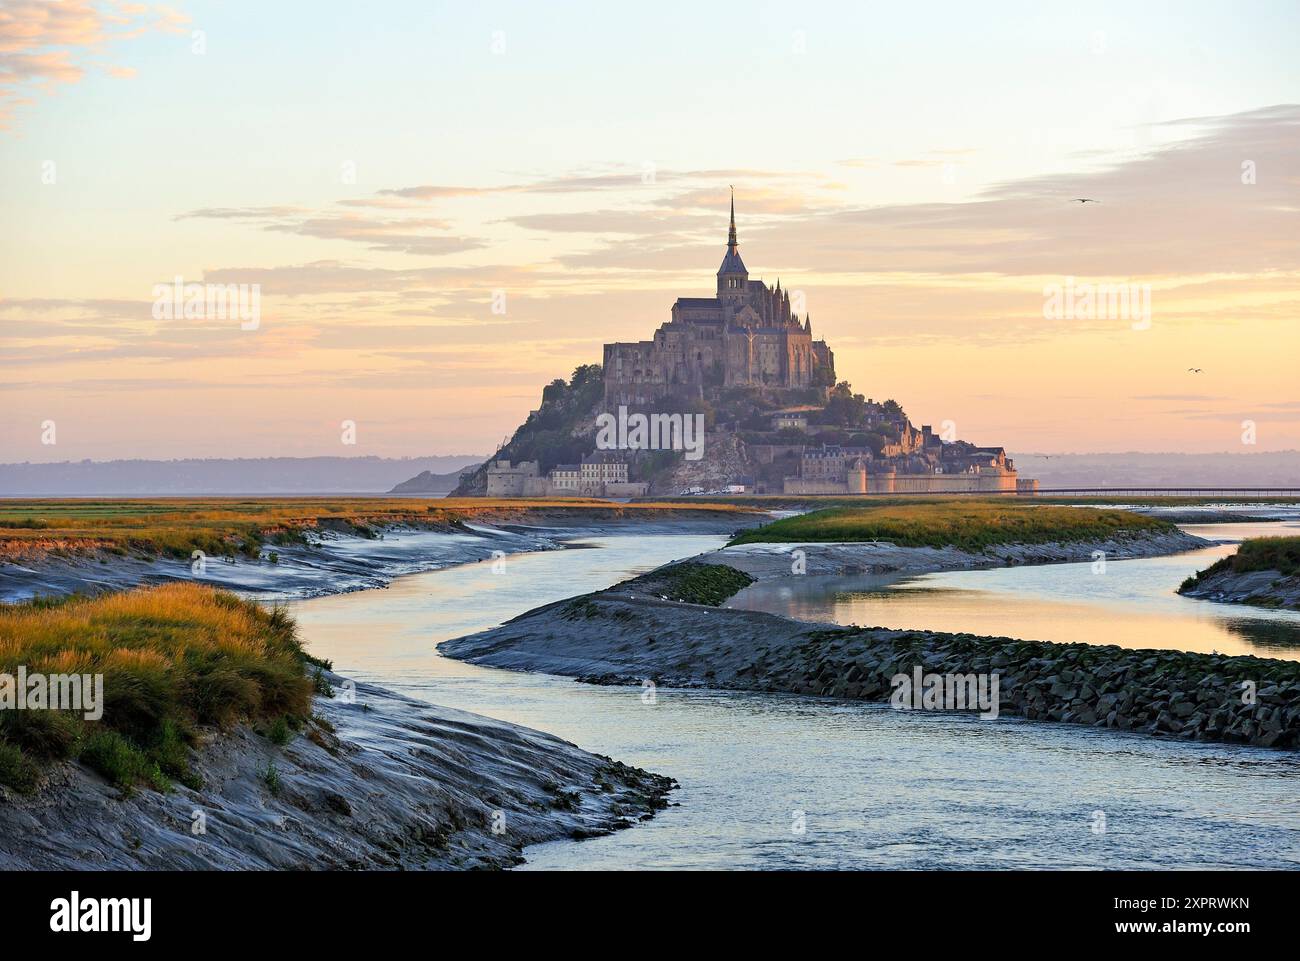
x,y
971,525
280,731
17,770
1281,554
174,658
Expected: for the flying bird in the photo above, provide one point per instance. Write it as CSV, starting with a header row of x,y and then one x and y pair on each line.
x,y
1084,200
1194,370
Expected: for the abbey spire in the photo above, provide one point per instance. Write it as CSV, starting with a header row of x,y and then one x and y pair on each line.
x,y
731,234
733,278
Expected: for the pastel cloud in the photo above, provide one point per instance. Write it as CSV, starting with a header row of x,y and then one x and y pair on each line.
x,y
422,236
45,44
1216,249
1182,209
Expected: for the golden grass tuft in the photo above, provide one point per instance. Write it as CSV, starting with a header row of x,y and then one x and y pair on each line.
x,y
174,658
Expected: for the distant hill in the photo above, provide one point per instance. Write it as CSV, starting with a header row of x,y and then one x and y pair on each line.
x,y
427,482
1137,469
216,476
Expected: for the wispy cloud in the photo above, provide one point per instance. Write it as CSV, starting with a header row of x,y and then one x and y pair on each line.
x,y
423,236
45,44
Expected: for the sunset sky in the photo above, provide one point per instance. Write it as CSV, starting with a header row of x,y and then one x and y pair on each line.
x,y
382,169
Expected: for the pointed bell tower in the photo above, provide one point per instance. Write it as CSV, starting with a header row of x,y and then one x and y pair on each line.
x,y
733,278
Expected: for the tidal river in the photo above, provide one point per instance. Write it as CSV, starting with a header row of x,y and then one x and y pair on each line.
x,y
1129,603
779,781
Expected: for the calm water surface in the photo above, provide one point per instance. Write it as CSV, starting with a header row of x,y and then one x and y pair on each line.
x,y
878,788
1130,603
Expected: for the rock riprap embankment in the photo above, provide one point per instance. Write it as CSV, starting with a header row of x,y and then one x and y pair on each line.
x,y
634,632
1192,696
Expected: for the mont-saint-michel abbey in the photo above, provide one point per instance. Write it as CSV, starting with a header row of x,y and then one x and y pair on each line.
x,y
744,336
775,419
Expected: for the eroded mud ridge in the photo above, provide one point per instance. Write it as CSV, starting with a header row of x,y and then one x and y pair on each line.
x,y
768,560
626,635
1258,588
335,559
381,781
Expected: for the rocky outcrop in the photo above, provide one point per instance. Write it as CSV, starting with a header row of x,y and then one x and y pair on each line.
x,y
625,636
725,460
374,780
1171,693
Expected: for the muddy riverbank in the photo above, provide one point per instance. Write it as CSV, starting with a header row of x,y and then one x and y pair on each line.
x,y
339,561
1271,589
375,780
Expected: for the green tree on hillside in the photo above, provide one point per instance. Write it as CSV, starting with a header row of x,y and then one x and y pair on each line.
x,y
845,407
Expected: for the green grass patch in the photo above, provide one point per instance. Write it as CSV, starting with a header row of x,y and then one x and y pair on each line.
x,y
693,583
972,525
280,731
271,778
121,762
1281,554
17,770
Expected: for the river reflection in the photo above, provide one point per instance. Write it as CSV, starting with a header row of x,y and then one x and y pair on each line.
x,y
878,788
1130,603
